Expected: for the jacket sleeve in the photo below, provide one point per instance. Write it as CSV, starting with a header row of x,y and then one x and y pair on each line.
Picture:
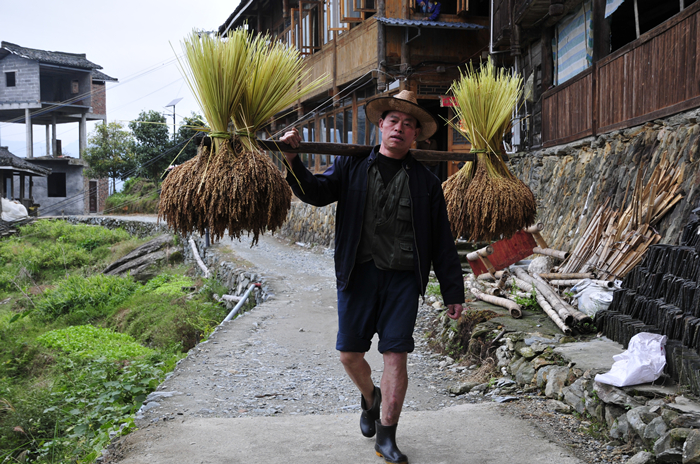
x,y
446,264
435,11
319,189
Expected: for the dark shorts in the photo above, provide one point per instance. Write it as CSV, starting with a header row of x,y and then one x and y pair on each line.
x,y
377,301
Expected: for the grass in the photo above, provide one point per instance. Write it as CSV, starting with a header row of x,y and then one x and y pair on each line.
x,y
82,350
138,196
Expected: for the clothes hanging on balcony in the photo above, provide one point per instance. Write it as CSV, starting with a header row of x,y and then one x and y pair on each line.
x,y
572,45
611,6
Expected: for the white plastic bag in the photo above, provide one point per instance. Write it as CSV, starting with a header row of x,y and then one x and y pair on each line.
x,y
13,211
593,295
643,362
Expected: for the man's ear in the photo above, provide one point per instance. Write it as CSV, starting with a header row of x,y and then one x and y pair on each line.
x,y
418,129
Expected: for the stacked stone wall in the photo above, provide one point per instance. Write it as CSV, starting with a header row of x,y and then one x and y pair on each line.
x,y
310,224
571,181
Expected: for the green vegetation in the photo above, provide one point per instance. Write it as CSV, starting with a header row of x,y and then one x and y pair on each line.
x,y
138,195
528,303
81,351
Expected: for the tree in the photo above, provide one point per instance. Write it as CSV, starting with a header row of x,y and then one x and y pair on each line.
x,y
184,137
152,144
110,153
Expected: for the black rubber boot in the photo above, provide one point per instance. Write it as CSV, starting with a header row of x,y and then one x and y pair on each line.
x,y
386,444
370,415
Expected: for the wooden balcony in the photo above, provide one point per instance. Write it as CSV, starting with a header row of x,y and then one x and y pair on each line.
x,y
653,77
353,54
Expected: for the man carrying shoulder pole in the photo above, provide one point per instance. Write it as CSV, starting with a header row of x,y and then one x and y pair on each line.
x,y
391,226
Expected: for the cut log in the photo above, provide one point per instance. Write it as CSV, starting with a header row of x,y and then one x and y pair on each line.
x,y
549,294
513,308
547,308
549,252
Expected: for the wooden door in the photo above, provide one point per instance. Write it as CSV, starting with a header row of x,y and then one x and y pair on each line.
x,y
93,196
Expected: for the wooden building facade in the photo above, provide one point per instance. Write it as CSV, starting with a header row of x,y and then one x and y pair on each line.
x,y
369,47
594,66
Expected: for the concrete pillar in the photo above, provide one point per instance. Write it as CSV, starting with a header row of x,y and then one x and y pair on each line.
x,y
53,134
82,134
29,134
48,140
22,178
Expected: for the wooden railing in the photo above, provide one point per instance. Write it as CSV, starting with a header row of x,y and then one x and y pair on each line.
x,y
567,111
653,77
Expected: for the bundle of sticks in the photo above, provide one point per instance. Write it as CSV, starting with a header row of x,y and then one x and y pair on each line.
x,y
614,243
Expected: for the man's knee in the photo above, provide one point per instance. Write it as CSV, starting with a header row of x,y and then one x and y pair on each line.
x,y
351,358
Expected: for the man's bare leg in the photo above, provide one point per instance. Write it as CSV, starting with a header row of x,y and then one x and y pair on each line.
x,y
360,373
394,385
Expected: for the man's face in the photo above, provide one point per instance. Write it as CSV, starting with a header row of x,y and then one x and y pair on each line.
x,y
399,131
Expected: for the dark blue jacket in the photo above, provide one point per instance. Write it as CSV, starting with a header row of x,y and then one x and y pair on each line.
x,y
346,182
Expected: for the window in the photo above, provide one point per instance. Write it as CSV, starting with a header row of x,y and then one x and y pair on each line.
x,y
57,184
624,22
10,79
361,123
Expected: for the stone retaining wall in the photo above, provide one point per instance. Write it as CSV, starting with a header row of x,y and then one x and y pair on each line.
x,y
310,224
571,181
136,228
638,419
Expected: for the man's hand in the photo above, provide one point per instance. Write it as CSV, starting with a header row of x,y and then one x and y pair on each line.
x,y
292,138
454,311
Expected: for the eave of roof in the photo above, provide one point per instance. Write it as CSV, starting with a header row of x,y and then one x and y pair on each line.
x,y
223,29
429,24
100,76
77,60
21,165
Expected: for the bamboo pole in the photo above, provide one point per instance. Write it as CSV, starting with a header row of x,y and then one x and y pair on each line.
x,y
547,308
348,149
548,293
197,258
573,275
565,282
549,252
513,308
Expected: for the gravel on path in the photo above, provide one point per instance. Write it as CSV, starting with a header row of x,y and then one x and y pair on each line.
x,y
279,359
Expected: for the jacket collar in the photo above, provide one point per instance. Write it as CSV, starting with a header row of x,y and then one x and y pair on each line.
x,y
408,160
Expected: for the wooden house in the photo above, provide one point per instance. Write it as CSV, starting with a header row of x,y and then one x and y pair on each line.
x,y
369,47
48,88
594,66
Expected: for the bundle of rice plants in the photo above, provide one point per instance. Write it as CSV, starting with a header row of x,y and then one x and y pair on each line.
x,y
240,81
485,201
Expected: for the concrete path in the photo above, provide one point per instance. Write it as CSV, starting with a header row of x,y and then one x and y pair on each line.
x,y
198,425
465,434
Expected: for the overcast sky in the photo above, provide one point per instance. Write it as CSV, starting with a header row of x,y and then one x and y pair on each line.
x,y
134,41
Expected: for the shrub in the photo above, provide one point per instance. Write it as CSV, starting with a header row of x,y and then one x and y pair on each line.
x,y
89,342
92,296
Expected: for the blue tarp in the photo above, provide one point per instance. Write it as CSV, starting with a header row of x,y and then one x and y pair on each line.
x,y
611,6
572,45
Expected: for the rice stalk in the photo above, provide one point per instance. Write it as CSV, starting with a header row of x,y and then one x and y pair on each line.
x,y
240,81
485,201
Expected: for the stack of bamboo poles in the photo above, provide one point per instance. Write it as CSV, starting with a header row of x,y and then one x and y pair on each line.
x,y
525,285
614,243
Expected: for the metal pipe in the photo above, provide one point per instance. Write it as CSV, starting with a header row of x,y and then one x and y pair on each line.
x,y
234,311
491,31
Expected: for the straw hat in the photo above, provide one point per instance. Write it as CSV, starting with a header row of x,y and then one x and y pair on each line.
x,y
406,102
